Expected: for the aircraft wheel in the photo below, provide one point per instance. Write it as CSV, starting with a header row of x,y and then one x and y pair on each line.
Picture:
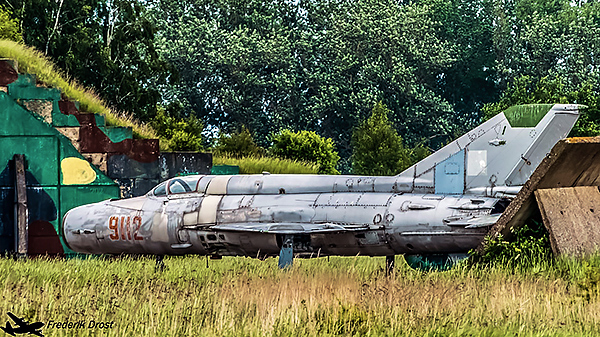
x,y
434,262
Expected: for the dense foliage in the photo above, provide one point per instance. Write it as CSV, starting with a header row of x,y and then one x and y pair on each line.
x,y
9,26
322,65
528,246
182,134
378,148
106,45
239,144
317,66
306,146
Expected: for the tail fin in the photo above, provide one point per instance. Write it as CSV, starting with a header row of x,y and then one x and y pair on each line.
x,y
503,151
8,329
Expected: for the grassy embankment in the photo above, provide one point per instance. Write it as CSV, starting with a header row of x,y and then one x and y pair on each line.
x,y
318,297
32,61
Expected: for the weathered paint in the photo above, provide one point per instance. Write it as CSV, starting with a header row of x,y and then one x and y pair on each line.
x,y
184,163
94,140
117,133
25,88
41,153
49,184
60,119
120,166
500,141
330,215
99,120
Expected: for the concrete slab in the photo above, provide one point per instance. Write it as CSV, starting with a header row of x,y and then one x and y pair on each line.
x,y
572,217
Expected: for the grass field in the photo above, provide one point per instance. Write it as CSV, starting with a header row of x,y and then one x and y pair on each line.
x,y
317,297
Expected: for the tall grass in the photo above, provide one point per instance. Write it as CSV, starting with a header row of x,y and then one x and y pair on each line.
x,y
32,61
317,297
257,165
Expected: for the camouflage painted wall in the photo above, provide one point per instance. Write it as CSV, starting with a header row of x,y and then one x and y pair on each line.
x,y
72,158
58,176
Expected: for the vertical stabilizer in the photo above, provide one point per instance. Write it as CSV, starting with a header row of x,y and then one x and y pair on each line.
x,y
503,151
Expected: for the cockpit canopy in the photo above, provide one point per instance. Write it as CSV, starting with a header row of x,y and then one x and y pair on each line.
x,y
181,185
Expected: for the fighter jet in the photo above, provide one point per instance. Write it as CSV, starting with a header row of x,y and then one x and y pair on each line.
x,y
439,208
23,327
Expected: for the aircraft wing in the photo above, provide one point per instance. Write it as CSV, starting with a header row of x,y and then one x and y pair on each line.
x,y
288,228
476,222
17,320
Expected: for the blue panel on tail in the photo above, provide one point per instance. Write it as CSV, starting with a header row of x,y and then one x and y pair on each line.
x,y
450,174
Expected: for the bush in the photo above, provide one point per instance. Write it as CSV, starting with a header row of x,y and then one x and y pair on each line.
x,y
306,146
9,27
377,147
529,245
181,134
238,145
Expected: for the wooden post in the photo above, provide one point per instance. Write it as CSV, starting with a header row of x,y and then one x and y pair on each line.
x,y
21,211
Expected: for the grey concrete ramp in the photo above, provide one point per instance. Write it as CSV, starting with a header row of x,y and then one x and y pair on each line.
x,y
571,162
572,217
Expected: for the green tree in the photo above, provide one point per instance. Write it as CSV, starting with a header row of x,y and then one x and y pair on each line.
x,y
9,26
547,53
183,134
306,146
239,144
472,79
556,39
418,153
307,65
377,147
106,45
527,90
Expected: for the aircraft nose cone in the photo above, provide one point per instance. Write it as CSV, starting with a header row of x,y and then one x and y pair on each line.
x,y
76,228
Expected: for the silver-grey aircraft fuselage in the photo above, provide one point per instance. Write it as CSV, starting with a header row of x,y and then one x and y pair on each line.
x,y
443,204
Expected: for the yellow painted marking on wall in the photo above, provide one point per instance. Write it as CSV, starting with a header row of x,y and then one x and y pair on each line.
x,y
77,171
